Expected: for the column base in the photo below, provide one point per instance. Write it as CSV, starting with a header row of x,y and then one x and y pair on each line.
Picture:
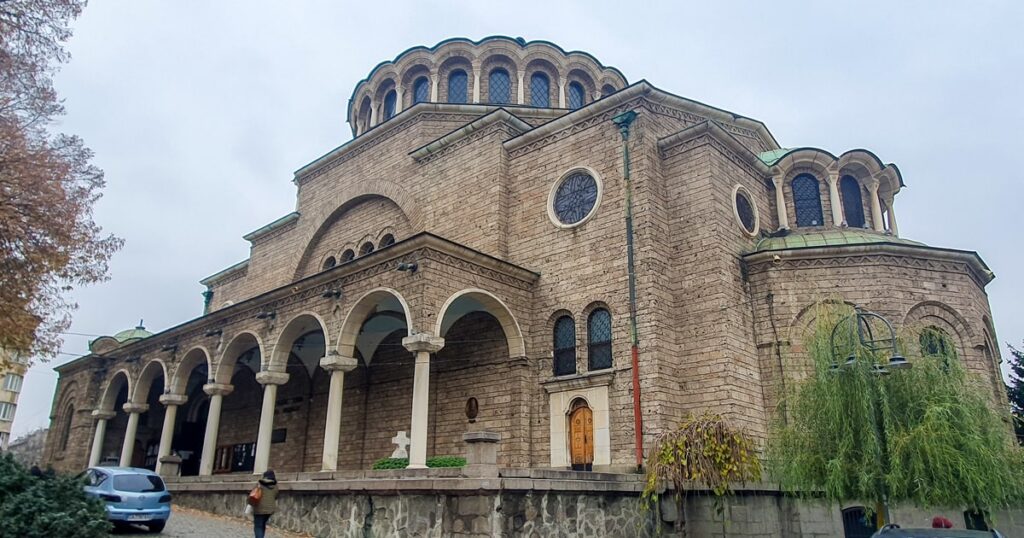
x,y
411,466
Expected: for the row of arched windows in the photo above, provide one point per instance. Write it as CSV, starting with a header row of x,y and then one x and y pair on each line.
x,y
499,91
807,201
599,342
350,254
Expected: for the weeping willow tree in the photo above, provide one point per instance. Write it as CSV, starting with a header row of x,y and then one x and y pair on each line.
x,y
855,429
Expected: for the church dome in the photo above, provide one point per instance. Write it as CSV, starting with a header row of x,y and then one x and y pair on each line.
x,y
137,333
105,344
496,71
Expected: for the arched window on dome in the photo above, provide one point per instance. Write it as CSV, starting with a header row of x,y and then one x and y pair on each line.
x,y
458,87
565,346
853,204
387,241
348,255
599,340
577,95
540,91
807,200
607,90
366,248
421,90
65,432
936,342
499,87
329,263
389,105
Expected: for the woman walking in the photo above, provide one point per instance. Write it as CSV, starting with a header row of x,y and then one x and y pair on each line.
x,y
266,504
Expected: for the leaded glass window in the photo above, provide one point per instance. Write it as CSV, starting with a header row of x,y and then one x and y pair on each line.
x,y
745,210
389,105
599,339
387,241
539,91
575,198
807,200
458,87
347,256
565,346
607,90
499,87
853,204
366,248
329,262
577,95
65,432
421,90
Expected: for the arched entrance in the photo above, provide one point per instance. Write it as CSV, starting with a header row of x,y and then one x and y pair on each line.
x,y
233,444
190,420
112,421
581,435
147,393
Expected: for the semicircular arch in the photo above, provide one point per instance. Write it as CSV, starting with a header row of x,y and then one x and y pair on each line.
x,y
120,379
302,323
240,343
360,311
493,306
150,372
191,360
937,313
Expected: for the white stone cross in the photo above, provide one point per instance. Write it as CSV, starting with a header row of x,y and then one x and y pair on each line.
x,y
401,442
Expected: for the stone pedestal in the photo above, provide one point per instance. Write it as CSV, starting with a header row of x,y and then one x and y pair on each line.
x,y
170,465
481,454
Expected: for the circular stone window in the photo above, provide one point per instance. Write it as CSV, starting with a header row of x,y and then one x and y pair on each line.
x,y
574,198
745,210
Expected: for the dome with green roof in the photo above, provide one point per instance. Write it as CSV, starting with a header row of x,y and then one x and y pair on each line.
x,y
830,238
137,333
103,344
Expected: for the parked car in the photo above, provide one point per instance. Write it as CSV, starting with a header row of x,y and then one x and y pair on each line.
x,y
132,495
895,531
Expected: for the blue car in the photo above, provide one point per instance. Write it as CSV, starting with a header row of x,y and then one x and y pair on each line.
x,y
133,496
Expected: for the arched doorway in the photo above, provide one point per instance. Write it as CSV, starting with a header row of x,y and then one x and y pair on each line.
x,y
581,436
234,446
111,431
147,436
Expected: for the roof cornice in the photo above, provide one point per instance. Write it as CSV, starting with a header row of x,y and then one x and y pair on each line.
x,y
498,116
714,129
230,271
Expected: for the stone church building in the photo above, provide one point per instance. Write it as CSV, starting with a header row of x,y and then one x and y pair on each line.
x,y
463,264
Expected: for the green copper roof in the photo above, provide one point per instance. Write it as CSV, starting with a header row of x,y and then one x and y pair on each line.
x,y
130,334
829,238
773,156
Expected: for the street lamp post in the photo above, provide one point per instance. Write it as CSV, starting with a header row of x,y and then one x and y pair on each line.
x,y
861,335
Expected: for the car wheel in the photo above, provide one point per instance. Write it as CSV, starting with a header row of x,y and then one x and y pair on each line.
x,y
156,526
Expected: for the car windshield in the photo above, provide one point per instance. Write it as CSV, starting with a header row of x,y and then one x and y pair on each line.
x,y
138,483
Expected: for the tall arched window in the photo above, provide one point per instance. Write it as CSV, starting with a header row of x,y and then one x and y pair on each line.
x,y
65,432
458,87
577,95
389,105
540,90
853,204
599,340
499,87
936,342
565,346
807,200
421,90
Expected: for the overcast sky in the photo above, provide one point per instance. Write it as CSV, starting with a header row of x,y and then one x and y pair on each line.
x,y
199,112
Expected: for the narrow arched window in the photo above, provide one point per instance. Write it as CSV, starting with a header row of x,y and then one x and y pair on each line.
x,y
577,95
458,87
387,241
565,346
540,90
389,105
807,200
853,204
329,262
348,255
935,342
607,90
421,90
499,87
599,340
65,432
366,248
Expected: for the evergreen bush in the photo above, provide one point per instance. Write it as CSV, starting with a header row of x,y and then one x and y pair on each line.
x,y
433,463
47,506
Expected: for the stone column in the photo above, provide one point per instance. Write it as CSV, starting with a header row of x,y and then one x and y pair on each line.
x,y
476,83
97,440
433,87
171,403
780,203
422,345
337,365
893,229
876,208
132,431
398,99
521,90
270,381
217,392
373,115
833,197
561,92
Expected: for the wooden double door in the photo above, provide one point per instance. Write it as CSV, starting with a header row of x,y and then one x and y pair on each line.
x,y
581,436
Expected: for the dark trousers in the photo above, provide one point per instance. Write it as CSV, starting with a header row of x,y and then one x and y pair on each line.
x,y
259,524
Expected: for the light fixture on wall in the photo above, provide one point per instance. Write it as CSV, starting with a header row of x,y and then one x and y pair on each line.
x,y
214,332
332,294
412,267
266,315
170,347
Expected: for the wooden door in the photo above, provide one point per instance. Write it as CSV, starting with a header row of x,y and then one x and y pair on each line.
x,y
581,439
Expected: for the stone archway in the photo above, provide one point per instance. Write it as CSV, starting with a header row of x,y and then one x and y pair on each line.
x,y
110,413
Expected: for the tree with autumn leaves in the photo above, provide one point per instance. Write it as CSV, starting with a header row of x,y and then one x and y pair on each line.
x,y
48,185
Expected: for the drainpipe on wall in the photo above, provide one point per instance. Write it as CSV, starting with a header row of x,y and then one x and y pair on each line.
x,y
624,121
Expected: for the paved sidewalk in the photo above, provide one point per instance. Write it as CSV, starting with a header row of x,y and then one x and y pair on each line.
x,y
188,523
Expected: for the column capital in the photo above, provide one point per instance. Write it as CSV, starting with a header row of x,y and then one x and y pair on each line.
x,y
173,399
777,180
272,378
423,342
100,414
131,407
218,389
334,361
872,184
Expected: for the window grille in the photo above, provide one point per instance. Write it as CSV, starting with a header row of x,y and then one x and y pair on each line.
x,y
347,256
539,91
458,83
387,241
575,198
856,523
853,204
499,87
807,200
577,95
13,382
599,339
7,411
565,346
366,248
389,105
421,90
745,210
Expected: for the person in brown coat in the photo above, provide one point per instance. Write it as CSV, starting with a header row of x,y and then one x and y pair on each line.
x,y
262,510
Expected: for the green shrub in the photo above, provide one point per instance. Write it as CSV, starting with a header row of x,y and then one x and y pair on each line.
x,y
52,505
434,463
